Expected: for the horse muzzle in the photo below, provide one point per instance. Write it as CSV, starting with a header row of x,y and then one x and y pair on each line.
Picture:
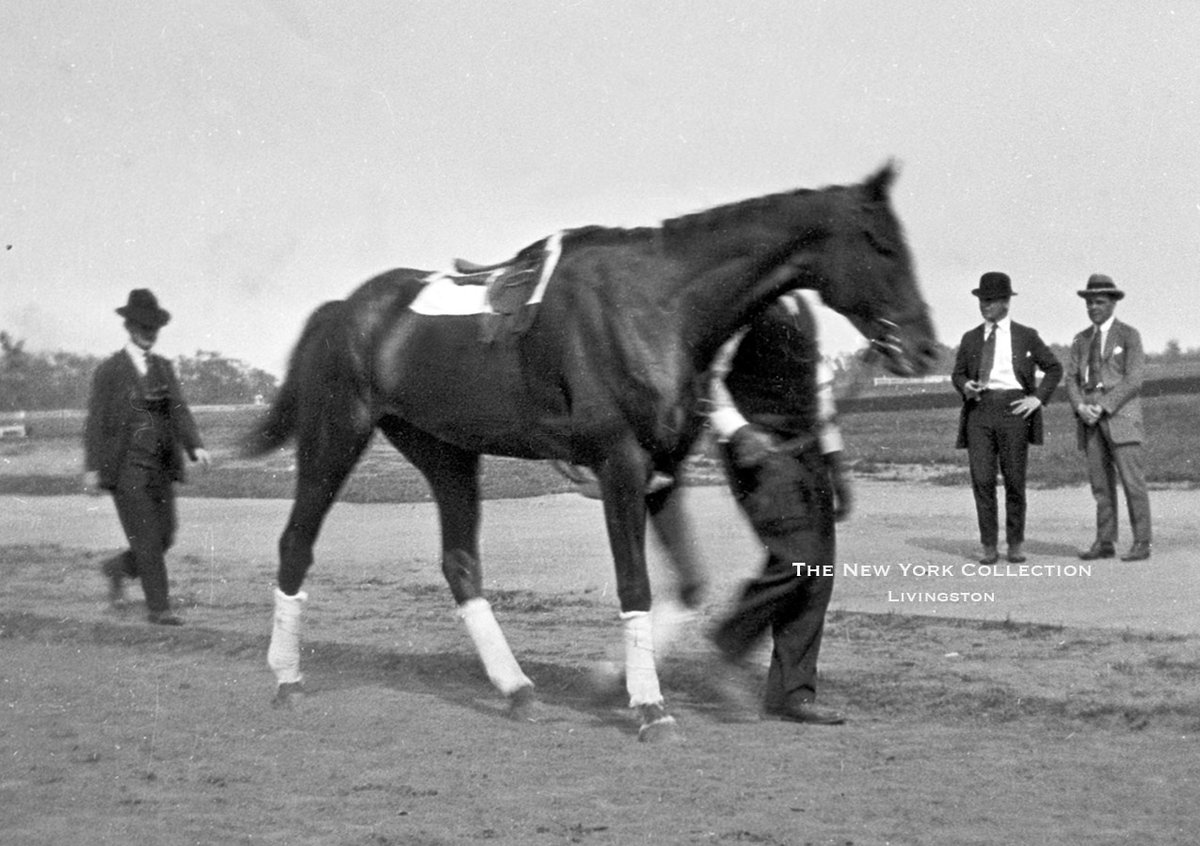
x,y
901,356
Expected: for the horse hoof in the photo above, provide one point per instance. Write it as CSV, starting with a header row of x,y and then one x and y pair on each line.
x,y
522,705
658,726
288,695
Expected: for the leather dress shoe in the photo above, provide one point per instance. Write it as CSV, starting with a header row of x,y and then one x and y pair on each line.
x,y
807,712
1137,552
1015,555
1098,550
990,555
164,618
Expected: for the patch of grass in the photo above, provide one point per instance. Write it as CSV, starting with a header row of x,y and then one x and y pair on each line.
x,y
1175,668
925,437
529,602
951,478
29,484
877,443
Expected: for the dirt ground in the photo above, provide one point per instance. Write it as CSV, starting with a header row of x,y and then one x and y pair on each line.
x,y
1002,729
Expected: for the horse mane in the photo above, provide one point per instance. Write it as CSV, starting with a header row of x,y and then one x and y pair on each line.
x,y
721,216
693,223
873,192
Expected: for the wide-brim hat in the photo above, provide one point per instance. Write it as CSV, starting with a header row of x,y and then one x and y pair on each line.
x,y
1100,285
144,310
994,285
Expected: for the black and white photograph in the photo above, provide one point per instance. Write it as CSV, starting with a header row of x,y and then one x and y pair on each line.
x,y
599,422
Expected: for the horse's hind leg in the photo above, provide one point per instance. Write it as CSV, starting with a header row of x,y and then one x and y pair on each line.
x,y
453,474
324,462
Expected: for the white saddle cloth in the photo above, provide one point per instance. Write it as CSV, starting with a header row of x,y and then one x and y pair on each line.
x,y
442,295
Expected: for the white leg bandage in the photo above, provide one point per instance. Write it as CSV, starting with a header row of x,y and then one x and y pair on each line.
x,y
671,621
498,661
641,678
283,656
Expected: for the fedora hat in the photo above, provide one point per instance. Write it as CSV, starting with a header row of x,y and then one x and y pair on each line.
x,y
994,285
143,309
1099,284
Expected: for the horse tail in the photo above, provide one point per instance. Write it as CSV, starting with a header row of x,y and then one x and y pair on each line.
x,y
282,420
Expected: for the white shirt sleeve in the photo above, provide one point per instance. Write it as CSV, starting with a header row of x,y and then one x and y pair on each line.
x,y
725,419
827,429
723,416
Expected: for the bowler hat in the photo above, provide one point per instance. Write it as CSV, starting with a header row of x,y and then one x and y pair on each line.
x,y
994,285
1099,284
143,309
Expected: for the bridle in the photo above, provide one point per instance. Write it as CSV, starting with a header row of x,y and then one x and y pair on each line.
x,y
885,341
883,335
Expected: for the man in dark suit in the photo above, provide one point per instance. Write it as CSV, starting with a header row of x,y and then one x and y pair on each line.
x,y
995,372
138,427
773,409
771,406
1104,382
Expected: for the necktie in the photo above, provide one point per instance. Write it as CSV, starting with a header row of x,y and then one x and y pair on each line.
x,y
156,381
1093,374
989,355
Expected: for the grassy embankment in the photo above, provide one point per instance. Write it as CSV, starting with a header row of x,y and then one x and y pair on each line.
x,y
880,444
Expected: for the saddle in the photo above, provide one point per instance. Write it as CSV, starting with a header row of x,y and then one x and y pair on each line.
x,y
468,268
513,288
510,287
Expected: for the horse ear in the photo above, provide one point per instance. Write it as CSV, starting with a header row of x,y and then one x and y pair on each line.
x,y
880,184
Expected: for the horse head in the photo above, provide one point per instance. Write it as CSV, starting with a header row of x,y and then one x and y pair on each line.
x,y
865,272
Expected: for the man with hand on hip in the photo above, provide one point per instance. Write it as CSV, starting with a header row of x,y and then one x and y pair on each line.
x,y
995,372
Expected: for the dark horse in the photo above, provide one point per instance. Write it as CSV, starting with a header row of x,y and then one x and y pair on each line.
x,y
609,375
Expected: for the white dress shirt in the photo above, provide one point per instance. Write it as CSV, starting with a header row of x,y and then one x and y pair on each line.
x,y
138,356
1002,378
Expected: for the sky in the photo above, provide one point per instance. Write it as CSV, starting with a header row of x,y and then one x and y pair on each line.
x,y
248,160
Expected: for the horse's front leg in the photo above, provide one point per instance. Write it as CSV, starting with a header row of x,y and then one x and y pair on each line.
x,y
623,484
675,533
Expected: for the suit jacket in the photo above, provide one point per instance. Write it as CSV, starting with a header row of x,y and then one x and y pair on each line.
x,y
1122,370
113,413
1029,354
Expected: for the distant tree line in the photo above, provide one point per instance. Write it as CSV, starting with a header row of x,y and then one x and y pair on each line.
x,y
854,374
38,381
